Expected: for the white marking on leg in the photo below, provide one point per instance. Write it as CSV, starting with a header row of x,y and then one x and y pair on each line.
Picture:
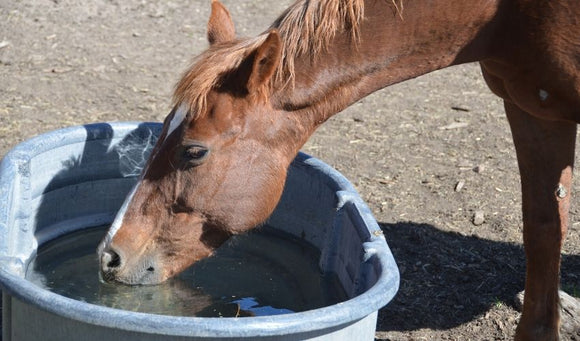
x,y
177,119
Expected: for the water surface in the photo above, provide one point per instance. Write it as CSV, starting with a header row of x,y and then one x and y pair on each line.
x,y
260,273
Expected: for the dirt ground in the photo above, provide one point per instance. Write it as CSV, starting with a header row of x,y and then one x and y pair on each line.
x,y
406,148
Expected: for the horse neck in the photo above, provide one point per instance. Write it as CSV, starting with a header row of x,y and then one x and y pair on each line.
x,y
393,46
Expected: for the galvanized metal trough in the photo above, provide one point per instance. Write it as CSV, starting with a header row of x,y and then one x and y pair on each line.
x,y
78,177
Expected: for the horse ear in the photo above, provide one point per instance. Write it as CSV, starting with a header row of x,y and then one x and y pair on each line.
x,y
266,60
220,27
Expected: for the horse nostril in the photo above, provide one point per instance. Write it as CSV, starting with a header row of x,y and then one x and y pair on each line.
x,y
110,260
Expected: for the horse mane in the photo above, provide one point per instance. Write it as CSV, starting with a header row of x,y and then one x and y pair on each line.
x,y
306,28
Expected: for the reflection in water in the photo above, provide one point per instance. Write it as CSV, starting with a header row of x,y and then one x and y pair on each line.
x,y
259,273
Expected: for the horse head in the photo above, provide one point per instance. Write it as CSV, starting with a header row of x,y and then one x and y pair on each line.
x,y
218,168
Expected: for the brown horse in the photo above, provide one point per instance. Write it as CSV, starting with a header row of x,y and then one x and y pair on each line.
x,y
246,106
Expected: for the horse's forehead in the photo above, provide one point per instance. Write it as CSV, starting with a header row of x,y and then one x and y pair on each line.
x,y
222,113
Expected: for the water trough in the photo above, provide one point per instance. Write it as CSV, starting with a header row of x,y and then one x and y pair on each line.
x,y
76,178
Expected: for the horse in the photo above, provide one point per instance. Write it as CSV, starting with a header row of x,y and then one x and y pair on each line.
x,y
245,107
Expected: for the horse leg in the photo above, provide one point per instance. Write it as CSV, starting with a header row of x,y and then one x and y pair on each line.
x,y
545,152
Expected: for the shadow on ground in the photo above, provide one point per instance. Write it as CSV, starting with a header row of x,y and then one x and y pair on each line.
x,y
448,279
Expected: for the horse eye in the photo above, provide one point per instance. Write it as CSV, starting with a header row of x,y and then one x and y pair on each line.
x,y
195,153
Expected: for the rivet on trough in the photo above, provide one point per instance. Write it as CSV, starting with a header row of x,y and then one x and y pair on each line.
x,y
561,191
543,95
378,233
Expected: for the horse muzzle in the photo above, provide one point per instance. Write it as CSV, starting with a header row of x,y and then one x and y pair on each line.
x,y
116,267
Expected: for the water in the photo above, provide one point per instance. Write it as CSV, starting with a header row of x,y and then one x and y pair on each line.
x,y
260,273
